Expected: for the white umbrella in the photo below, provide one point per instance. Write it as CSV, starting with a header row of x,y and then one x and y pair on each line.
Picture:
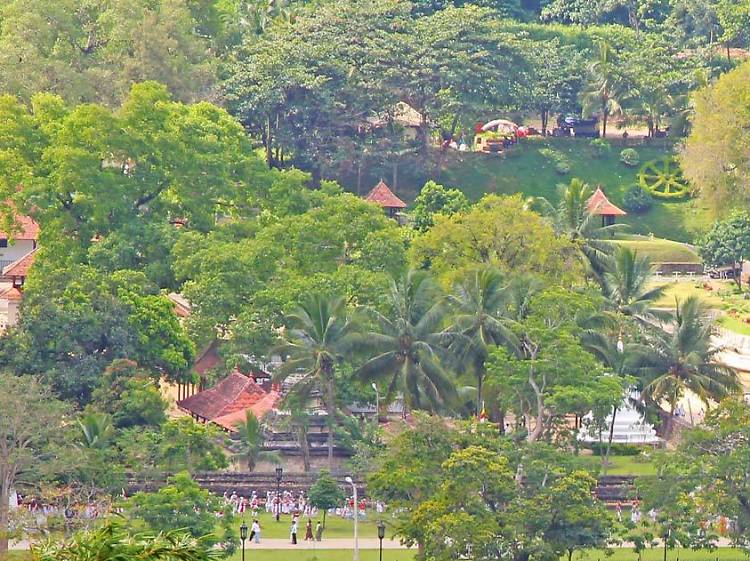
x,y
500,123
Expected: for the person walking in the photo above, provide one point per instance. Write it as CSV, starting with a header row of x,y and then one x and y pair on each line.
x,y
318,532
255,531
308,531
293,532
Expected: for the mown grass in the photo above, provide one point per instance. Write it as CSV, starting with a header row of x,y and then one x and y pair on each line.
x,y
336,527
678,291
624,465
661,250
529,170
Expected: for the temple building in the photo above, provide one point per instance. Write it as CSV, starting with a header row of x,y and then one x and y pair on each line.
x,y
599,205
226,404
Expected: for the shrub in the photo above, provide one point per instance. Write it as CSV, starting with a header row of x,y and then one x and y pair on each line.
x,y
630,157
637,199
617,449
563,168
600,147
663,179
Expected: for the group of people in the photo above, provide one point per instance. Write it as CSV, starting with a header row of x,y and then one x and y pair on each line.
x,y
296,506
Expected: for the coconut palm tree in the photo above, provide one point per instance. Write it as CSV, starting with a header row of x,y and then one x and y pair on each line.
x,y
406,345
605,90
620,360
572,219
682,357
625,284
248,442
480,321
318,338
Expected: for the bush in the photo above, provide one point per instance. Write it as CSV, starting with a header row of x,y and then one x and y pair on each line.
x,y
630,157
616,450
637,199
563,168
600,147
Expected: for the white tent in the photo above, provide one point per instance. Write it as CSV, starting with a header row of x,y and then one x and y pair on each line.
x,y
630,426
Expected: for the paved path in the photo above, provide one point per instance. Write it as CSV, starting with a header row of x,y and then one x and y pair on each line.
x,y
331,543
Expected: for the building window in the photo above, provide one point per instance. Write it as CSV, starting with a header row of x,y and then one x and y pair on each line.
x,y
3,242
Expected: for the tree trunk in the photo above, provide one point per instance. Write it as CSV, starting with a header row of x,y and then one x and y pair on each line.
x,y
304,447
605,116
545,119
605,465
4,518
324,518
269,149
539,422
331,409
394,179
737,278
480,379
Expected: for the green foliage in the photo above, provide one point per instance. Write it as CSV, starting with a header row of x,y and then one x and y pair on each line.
x,y
663,179
435,199
184,505
130,396
637,199
248,441
188,445
120,543
617,449
630,157
727,242
325,493
600,147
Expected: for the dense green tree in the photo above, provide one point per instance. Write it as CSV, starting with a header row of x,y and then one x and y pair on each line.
x,y
325,493
130,395
182,504
605,91
76,321
727,243
30,423
626,284
93,50
499,232
184,444
435,199
714,158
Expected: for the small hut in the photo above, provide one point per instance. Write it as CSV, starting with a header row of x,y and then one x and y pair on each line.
x,y
382,195
599,205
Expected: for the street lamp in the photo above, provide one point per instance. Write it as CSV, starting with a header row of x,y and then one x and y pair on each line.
x,y
350,481
377,404
279,473
381,535
243,537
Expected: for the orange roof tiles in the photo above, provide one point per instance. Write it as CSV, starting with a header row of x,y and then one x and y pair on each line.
x,y
12,294
381,194
599,205
27,229
21,267
226,403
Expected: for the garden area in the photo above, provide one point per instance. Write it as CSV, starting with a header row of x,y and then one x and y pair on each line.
x,y
537,165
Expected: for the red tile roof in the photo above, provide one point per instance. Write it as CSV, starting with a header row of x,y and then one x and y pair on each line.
x,y
26,229
226,403
21,267
12,294
208,359
599,205
381,194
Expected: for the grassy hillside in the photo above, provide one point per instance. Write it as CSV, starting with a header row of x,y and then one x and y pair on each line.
x,y
529,168
660,250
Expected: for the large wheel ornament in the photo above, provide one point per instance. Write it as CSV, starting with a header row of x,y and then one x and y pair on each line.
x,y
663,179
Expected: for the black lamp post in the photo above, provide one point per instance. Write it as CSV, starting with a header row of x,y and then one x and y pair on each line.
x,y
279,473
243,537
381,535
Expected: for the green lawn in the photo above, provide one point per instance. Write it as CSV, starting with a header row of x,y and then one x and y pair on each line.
x,y
624,465
660,250
323,555
336,527
684,289
734,324
526,170
620,554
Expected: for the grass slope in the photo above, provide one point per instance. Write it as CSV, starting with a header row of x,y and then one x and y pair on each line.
x,y
660,250
528,169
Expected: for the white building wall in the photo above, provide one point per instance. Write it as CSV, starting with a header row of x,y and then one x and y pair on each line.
x,y
15,250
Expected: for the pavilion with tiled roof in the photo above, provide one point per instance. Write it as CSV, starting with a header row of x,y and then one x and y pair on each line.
x,y
19,270
226,403
27,229
382,195
599,205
